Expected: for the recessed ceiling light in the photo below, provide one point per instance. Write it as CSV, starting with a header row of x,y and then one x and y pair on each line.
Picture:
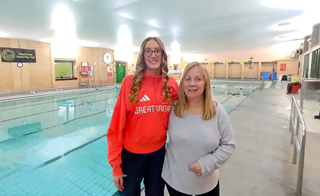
x,y
284,23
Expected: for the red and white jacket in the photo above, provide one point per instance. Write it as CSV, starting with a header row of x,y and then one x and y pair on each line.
x,y
139,128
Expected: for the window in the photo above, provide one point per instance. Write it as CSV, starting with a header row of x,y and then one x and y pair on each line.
x,y
64,70
306,66
315,64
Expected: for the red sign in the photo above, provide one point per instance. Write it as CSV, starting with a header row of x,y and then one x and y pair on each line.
x,y
85,69
109,74
250,67
283,67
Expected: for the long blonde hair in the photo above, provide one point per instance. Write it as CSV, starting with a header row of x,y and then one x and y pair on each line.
x,y
141,68
209,109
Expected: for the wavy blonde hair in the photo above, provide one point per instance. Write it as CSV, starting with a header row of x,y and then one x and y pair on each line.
x,y
209,109
141,68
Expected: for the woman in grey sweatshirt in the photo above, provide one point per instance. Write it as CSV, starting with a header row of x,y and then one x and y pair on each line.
x,y
201,137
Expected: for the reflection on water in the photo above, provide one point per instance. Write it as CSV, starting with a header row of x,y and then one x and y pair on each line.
x,y
61,123
57,113
234,88
36,130
66,109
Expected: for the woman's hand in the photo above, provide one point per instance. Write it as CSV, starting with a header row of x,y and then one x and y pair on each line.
x,y
195,167
118,182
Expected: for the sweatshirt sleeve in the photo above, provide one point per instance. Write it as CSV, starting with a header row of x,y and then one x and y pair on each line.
x,y
115,134
226,147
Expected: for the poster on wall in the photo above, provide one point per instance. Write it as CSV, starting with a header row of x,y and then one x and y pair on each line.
x,y
109,69
283,67
10,55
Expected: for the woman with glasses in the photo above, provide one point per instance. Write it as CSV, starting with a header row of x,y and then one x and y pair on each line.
x,y
137,131
201,137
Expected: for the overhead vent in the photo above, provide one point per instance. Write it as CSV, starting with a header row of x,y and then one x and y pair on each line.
x,y
283,23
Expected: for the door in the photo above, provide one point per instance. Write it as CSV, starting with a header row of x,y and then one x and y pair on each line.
x,y
120,71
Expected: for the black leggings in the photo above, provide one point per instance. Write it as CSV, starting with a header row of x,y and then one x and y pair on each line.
x,y
213,192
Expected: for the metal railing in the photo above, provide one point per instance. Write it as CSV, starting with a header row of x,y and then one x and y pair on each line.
x,y
262,83
297,127
304,90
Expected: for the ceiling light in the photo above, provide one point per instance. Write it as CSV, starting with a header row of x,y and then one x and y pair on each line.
x,y
175,52
123,50
175,45
64,42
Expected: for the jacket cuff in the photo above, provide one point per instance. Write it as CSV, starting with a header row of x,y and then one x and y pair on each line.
x,y
117,171
204,169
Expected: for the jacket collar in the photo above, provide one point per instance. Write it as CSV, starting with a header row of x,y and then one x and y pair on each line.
x,y
148,75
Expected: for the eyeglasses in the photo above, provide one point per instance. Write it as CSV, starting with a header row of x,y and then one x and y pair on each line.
x,y
148,52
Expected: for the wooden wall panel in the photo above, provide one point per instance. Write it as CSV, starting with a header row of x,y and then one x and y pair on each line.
x,y
220,70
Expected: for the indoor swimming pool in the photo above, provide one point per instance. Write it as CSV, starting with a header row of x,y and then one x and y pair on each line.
x,y
55,144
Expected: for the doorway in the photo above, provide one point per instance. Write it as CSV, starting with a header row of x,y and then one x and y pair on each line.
x,y
120,71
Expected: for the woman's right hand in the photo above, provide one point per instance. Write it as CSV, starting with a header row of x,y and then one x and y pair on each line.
x,y
118,182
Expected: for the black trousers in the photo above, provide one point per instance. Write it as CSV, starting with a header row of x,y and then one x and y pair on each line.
x,y
147,167
213,192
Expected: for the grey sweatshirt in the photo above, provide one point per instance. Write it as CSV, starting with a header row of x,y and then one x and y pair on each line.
x,y
191,139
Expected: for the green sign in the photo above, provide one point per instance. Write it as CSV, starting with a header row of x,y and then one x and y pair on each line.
x,y
17,55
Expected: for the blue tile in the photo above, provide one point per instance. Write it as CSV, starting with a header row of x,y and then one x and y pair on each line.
x,y
92,189
87,186
73,190
113,190
79,192
110,187
109,194
13,191
104,183
97,191
21,193
85,194
98,178
103,193
82,168
66,185
2,192
83,183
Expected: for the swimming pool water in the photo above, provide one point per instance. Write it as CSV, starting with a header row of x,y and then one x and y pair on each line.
x,y
56,145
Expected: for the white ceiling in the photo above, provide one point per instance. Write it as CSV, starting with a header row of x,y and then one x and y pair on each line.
x,y
199,26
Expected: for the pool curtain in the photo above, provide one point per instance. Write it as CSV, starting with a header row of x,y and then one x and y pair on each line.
x,y
315,64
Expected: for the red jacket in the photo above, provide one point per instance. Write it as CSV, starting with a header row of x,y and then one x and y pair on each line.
x,y
139,128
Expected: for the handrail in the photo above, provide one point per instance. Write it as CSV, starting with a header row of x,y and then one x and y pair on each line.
x,y
304,90
262,82
297,127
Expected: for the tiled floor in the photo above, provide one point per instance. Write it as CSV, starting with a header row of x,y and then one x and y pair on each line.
x,y
311,108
